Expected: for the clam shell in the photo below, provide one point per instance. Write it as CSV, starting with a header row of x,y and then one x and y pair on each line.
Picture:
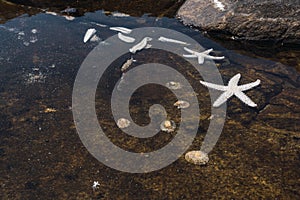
x,y
89,33
123,123
168,126
173,85
126,39
182,104
197,157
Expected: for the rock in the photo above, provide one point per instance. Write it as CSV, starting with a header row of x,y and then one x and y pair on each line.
x,y
248,19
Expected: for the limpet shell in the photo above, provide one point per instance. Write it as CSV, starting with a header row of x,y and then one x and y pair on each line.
x,y
168,126
173,85
197,157
182,104
123,123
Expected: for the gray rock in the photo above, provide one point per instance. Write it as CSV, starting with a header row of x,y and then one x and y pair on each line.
x,y
246,19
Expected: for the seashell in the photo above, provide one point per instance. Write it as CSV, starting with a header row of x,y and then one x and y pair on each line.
x,y
182,104
95,38
173,85
127,64
126,38
118,14
141,45
121,29
89,33
67,17
51,13
197,157
164,39
69,10
123,123
219,5
168,126
34,31
101,25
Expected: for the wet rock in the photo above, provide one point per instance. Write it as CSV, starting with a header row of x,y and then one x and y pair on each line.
x,y
283,112
249,19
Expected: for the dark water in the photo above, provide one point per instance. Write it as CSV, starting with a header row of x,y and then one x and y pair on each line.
x,y
42,156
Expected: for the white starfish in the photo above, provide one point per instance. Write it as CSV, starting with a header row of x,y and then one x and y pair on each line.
x,y
201,55
233,89
95,185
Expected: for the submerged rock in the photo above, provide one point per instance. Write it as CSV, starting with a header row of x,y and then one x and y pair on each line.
x,y
248,19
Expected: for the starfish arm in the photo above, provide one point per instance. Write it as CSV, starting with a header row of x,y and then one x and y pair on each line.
x,y
249,85
200,59
189,50
244,98
234,80
189,56
222,98
207,51
214,57
214,86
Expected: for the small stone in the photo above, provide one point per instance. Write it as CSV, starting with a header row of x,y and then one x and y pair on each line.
x,y
197,157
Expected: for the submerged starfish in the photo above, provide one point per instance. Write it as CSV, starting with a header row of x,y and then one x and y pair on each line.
x,y
95,185
201,55
233,89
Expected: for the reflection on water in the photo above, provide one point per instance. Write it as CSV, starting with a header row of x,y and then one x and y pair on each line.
x,y
42,156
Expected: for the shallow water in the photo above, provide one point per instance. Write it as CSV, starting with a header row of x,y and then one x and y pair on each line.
x,y
43,157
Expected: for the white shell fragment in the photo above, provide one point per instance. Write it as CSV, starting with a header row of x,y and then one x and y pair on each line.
x,y
173,85
126,39
219,5
127,64
95,38
182,104
141,45
101,25
34,31
164,39
51,13
121,29
123,123
89,33
69,18
118,14
197,157
168,126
